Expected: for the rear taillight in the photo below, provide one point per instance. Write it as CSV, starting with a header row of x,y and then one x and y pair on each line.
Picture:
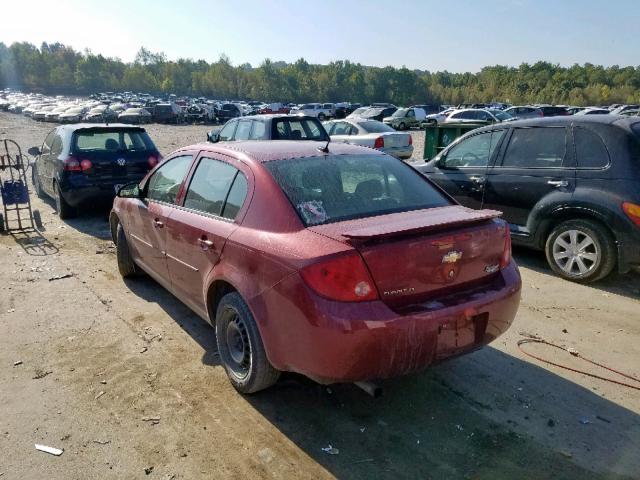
x,y
633,212
505,258
345,279
86,165
410,139
540,114
152,161
71,164
379,143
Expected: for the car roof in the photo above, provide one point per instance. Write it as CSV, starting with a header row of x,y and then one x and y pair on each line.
x,y
96,126
618,120
260,151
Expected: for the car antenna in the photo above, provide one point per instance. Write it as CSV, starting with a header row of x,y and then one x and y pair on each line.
x,y
325,149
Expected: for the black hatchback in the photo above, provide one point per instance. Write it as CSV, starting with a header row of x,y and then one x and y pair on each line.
x,y
83,164
569,186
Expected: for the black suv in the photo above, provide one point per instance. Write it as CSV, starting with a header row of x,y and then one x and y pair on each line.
x,y
566,185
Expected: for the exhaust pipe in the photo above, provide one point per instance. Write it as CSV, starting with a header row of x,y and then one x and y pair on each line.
x,y
371,388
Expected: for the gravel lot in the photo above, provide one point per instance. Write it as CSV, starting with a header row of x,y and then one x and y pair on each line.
x,y
125,378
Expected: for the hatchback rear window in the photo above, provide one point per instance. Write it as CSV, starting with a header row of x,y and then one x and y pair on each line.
x,y
112,141
334,188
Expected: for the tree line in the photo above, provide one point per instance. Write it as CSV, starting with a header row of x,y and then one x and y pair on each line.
x,y
57,68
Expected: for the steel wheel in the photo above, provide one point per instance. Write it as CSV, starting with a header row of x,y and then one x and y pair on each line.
x,y
238,344
576,253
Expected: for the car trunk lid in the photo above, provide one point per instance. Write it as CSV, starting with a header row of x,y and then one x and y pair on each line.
x,y
413,256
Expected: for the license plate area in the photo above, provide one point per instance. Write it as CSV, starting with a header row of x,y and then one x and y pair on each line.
x,y
459,334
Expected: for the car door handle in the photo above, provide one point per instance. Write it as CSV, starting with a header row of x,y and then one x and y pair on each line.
x,y
206,244
157,223
558,183
476,179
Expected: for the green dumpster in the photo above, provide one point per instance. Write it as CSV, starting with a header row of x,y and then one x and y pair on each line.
x,y
437,137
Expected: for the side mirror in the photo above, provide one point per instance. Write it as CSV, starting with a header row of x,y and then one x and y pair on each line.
x,y
213,137
34,151
130,190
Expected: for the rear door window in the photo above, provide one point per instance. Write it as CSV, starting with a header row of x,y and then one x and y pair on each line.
x,y
474,151
210,186
536,148
243,130
590,150
165,183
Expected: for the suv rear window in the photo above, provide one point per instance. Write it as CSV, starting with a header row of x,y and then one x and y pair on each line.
x,y
112,140
334,188
536,148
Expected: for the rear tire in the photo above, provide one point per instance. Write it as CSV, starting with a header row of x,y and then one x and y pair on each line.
x,y
126,265
1,223
37,219
402,126
62,207
581,250
240,346
37,186
321,116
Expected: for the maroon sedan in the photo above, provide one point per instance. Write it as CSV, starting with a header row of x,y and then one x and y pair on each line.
x,y
343,265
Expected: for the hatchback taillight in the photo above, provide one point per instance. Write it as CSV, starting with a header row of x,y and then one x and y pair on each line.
x,y
86,165
344,278
379,143
410,139
152,161
505,258
71,164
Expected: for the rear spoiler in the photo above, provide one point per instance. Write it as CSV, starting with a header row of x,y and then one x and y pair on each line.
x,y
433,219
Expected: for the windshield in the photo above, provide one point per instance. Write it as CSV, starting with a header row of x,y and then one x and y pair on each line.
x,y
375,127
372,112
112,141
500,115
330,189
402,112
360,110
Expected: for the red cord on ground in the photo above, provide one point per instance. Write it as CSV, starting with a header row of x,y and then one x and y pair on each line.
x,y
575,354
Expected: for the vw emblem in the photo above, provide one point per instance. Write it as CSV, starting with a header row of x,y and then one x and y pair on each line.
x,y
121,162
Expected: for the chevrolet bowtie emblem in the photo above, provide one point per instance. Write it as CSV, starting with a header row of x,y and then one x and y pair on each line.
x,y
451,257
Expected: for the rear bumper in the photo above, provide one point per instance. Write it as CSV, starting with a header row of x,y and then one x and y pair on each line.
x,y
77,190
628,252
399,152
345,342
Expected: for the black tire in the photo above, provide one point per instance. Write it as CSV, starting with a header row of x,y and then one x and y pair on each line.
x,y
126,265
37,219
1,223
321,116
581,250
402,126
62,207
37,186
240,346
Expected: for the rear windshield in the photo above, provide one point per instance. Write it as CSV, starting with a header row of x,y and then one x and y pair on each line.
x,y
375,127
303,129
112,140
334,188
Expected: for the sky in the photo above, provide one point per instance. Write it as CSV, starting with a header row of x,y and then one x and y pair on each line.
x,y
435,35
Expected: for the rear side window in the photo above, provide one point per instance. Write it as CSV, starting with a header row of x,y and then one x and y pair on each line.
x,y
305,129
536,148
112,141
334,188
210,185
165,182
590,151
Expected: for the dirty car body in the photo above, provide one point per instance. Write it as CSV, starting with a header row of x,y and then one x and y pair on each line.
x,y
352,264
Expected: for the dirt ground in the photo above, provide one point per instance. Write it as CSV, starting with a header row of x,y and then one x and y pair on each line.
x,y
124,378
